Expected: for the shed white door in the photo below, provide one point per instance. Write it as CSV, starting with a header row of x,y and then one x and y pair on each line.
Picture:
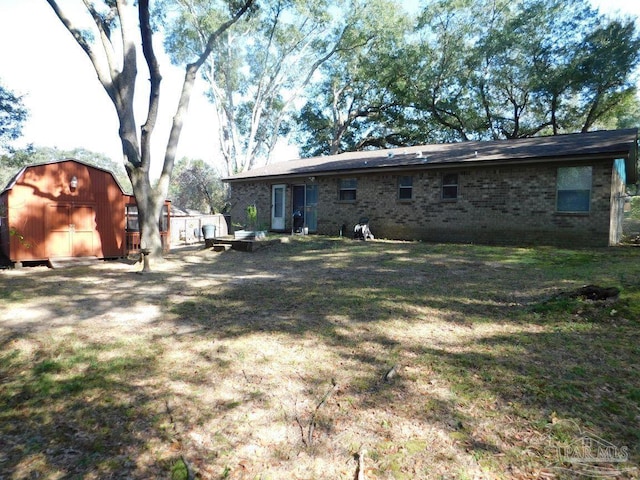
x,y
70,230
277,207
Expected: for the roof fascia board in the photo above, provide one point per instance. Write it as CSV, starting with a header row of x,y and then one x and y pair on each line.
x,y
437,166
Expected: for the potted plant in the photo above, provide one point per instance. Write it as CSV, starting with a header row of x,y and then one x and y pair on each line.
x,y
252,216
250,231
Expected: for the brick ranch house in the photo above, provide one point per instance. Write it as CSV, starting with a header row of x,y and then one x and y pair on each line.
x,y
556,190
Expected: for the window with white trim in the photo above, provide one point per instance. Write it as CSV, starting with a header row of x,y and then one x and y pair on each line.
x,y
573,189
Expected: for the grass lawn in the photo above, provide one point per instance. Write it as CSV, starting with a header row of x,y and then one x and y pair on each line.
x,y
313,358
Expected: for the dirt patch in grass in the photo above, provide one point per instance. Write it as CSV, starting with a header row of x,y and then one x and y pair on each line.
x,y
426,361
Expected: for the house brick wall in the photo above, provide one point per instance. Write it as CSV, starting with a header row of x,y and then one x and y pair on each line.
x,y
251,193
495,205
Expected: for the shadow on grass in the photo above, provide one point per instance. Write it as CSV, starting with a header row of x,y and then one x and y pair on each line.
x,y
81,410
66,411
583,372
572,367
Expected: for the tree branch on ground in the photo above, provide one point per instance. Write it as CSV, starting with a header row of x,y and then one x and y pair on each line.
x,y
307,431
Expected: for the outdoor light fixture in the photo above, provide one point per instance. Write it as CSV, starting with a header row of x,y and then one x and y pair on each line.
x,y
73,184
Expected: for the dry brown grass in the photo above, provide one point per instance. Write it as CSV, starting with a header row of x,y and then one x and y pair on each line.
x,y
274,364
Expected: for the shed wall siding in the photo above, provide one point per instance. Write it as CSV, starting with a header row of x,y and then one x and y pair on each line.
x,y
30,200
4,224
496,205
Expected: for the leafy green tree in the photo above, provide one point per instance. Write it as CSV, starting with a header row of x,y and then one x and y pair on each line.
x,y
12,162
603,67
352,107
118,29
13,114
196,185
260,68
501,69
624,115
477,69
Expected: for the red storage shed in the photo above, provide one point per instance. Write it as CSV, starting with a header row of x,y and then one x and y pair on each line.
x,y
68,209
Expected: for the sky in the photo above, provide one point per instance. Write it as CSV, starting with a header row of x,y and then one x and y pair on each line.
x,y
68,106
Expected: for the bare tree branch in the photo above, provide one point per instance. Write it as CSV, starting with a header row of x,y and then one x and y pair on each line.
x,y
155,79
81,40
187,87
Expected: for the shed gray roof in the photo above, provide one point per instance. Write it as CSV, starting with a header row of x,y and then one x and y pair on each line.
x,y
577,146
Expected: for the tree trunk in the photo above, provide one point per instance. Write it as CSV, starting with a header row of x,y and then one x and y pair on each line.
x,y
149,210
149,218
118,77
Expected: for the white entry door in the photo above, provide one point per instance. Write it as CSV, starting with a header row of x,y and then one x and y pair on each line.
x,y
277,207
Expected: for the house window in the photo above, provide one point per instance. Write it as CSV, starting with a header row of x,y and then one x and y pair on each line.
x,y
131,213
573,189
405,188
347,189
450,186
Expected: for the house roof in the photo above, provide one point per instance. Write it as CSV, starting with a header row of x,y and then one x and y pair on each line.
x,y
611,144
20,172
